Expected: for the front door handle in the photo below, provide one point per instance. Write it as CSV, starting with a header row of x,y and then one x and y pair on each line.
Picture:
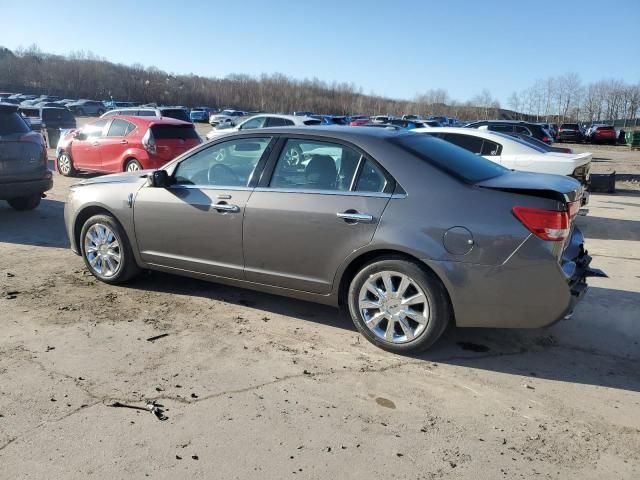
x,y
352,216
95,144
123,142
226,207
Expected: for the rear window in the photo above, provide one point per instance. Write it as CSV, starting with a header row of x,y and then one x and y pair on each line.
x,y
312,122
11,122
177,113
184,132
30,112
450,158
569,126
58,114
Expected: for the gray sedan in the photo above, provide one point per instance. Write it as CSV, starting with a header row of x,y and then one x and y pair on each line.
x,y
406,232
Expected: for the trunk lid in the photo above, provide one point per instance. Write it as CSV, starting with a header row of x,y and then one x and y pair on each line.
x,y
557,187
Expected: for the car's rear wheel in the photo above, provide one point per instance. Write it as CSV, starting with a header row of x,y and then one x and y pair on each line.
x,y
65,165
398,305
106,250
132,166
25,203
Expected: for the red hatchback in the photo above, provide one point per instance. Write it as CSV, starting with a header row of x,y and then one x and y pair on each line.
x,y
124,143
602,134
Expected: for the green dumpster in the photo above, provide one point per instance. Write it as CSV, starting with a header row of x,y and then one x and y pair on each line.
x,y
632,138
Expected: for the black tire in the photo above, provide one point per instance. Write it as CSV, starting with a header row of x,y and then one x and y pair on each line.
x,y
25,203
127,268
64,165
132,165
437,300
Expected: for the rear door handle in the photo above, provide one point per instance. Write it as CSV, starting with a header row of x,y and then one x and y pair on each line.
x,y
95,144
226,207
351,216
123,142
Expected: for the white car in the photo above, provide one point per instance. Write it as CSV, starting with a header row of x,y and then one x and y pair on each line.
x,y
225,116
263,121
514,153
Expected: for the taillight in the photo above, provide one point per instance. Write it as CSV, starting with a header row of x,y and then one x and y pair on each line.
x,y
548,225
149,142
546,139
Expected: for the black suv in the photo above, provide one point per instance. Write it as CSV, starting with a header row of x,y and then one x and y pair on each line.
x,y
49,121
514,126
24,170
570,132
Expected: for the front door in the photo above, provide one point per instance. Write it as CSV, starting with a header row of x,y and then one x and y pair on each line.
x,y
114,144
85,149
323,202
196,224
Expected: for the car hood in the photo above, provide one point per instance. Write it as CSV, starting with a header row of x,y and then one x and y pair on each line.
x,y
139,177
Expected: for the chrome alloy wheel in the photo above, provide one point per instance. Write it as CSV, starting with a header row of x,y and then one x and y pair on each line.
x,y
64,164
292,157
102,250
394,307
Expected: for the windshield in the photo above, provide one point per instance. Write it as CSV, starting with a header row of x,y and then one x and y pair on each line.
x,y
450,158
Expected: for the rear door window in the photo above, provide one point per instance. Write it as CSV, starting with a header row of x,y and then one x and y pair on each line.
x,y
490,149
315,165
371,178
11,123
277,122
120,128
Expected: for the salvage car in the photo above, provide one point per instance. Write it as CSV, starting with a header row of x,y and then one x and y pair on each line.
x,y
514,153
24,169
124,143
602,134
405,231
570,132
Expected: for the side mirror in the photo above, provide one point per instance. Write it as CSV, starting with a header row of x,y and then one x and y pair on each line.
x,y
159,179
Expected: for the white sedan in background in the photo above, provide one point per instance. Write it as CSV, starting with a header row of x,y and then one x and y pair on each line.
x,y
263,121
514,153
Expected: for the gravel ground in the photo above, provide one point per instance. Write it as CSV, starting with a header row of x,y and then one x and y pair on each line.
x,y
256,386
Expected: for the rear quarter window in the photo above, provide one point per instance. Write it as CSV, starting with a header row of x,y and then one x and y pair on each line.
x,y
450,158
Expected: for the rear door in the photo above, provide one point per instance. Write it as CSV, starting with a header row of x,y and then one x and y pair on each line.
x,y
85,149
196,224
308,215
114,144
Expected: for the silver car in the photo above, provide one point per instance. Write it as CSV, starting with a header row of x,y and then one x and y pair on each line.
x,y
407,232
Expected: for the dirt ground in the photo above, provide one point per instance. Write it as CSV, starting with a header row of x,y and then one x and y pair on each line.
x,y
257,386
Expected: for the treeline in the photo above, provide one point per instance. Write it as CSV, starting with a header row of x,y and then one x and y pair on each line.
x,y
567,98
84,75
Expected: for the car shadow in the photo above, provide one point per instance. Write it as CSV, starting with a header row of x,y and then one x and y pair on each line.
x,y
592,348
609,228
42,227
173,284
599,345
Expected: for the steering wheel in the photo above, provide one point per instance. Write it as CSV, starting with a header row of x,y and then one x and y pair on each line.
x,y
220,174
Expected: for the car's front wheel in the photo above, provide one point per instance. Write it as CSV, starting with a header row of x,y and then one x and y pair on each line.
x,y
398,305
106,250
65,165
25,203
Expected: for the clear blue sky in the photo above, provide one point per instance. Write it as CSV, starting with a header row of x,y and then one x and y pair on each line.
x,y
393,48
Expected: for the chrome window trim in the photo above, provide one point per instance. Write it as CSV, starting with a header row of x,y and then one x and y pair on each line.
x,y
210,187
309,191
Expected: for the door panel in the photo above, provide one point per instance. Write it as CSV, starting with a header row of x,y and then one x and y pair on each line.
x,y
181,227
296,240
86,153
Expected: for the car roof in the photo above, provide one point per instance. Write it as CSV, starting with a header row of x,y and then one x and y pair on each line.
x,y
330,131
147,120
